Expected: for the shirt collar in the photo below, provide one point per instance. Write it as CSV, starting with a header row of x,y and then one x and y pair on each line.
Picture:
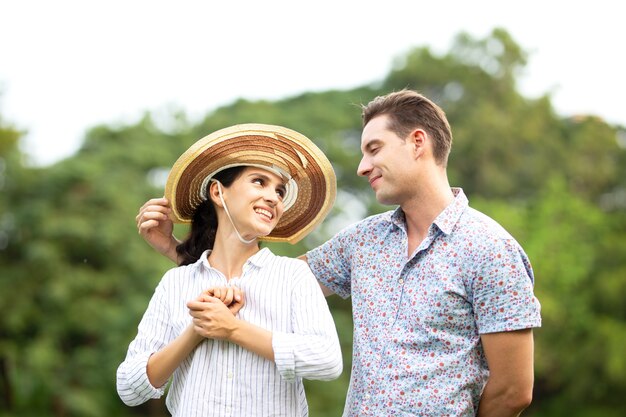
x,y
446,220
258,260
449,217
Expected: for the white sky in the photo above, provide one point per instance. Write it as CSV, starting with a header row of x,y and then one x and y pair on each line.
x,y
67,65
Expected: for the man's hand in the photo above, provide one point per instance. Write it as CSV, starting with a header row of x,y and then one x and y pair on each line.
x,y
155,226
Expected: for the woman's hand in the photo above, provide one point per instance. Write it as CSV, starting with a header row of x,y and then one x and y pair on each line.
x,y
232,297
212,318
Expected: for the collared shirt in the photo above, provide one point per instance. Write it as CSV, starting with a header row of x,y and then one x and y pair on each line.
x,y
418,319
221,378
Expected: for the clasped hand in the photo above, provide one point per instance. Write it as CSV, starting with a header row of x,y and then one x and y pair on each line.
x,y
214,312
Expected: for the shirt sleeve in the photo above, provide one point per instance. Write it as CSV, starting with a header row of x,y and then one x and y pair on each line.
x,y
331,262
312,350
503,291
153,334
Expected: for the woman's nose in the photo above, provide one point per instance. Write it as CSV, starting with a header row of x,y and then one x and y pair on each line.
x,y
271,197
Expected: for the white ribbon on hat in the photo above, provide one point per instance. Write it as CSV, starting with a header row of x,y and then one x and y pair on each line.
x,y
291,187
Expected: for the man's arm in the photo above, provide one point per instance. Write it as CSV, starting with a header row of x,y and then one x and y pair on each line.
x,y
509,388
325,290
156,227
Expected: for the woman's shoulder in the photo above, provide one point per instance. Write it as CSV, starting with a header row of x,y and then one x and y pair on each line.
x,y
282,261
281,266
181,273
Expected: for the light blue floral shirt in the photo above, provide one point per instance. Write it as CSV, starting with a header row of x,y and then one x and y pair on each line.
x,y
418,319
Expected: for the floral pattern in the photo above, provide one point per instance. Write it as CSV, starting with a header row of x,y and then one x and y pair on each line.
x,y
418,319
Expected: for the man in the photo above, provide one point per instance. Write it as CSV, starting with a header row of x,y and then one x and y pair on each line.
x,y
442,296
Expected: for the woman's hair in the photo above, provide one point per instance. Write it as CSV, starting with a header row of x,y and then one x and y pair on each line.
x,y
204,222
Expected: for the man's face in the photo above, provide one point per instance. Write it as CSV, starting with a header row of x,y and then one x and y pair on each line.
x,y
386,159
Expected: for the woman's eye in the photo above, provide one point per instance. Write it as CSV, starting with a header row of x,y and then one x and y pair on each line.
x,y
280,193
257,181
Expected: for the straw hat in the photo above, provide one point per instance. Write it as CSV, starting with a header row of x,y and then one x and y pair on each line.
x,y
310,190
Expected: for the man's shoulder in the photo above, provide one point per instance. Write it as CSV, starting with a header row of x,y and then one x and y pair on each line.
x,y
376,220
480,224
375,224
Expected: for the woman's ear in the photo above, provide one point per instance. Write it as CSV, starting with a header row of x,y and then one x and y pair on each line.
x,y
214,193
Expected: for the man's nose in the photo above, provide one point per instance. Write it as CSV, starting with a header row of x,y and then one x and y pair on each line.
x,y
364,167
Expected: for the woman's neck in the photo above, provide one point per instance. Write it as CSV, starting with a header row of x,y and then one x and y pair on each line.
x,y
229,255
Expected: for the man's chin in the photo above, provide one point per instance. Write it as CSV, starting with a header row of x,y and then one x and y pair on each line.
x,y
385,199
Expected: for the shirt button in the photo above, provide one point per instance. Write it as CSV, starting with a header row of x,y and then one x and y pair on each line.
x,y
401,281
230,375
228,410
367,396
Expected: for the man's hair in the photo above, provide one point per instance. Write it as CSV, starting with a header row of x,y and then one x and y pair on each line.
x,y
408,110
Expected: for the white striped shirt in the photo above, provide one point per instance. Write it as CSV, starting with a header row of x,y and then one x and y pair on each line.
x,y
220,378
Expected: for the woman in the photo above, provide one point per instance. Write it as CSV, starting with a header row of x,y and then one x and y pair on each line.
x,y
224,356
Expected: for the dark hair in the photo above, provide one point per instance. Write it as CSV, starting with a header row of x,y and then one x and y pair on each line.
x,y
204,222
408,110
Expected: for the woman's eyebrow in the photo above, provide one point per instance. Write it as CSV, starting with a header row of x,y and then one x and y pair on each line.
x,y
266,177
258,174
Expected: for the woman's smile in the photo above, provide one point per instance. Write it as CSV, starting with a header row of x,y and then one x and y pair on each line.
x,y
266,214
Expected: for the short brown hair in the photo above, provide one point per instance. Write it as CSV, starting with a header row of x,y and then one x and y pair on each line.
x,y
408,110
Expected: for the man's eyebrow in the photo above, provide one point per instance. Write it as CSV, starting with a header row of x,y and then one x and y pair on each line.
x,y
368,146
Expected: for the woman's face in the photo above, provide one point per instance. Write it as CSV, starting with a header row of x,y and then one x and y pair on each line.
x,y
255,201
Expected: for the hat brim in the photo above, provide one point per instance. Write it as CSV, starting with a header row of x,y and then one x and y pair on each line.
x,y
257,145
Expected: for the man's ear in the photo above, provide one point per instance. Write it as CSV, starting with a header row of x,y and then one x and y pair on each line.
x,y
419,142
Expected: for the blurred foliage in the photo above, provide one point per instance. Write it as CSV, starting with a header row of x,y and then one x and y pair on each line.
x,y
75,278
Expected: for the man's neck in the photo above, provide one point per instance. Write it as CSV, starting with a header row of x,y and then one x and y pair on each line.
x,y
421,210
